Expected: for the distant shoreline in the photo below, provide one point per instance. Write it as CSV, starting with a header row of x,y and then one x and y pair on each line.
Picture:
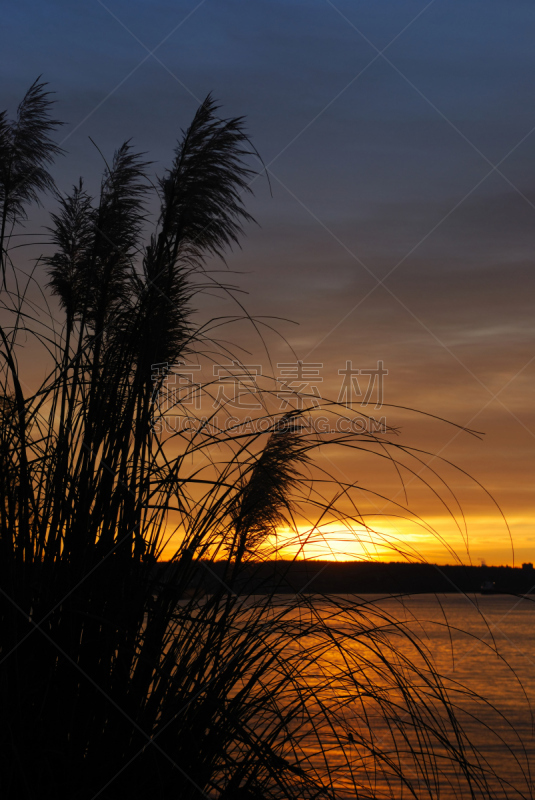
x,y
368,577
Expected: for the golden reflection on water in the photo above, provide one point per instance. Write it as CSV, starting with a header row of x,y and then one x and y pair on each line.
x,y
380,681
483,643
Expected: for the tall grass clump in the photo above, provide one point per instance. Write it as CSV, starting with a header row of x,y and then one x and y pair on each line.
x,y
125,678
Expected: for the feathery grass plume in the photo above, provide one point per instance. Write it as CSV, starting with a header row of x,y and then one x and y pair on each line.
x,y
72,234
263,498
117,228
26,150
201,214
202,192
124,677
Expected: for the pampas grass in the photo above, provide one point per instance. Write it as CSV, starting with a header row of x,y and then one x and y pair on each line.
x,y
120,678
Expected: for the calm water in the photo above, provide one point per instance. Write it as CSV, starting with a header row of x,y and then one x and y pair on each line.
x,y
488,646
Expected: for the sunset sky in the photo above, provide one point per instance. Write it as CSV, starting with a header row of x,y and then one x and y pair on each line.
x,y
399,137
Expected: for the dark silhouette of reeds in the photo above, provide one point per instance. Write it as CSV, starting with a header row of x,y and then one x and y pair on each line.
x,y
120,680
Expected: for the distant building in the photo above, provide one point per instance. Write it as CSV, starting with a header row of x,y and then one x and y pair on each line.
x,y
527,565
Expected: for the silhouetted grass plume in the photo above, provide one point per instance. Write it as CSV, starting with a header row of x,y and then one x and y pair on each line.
x,y
123,679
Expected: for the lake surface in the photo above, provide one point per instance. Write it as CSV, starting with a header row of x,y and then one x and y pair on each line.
x,y
487,646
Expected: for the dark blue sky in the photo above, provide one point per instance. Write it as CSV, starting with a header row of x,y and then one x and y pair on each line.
x,y
416,165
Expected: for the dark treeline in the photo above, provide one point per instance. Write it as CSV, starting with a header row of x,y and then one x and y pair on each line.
x,y
349,577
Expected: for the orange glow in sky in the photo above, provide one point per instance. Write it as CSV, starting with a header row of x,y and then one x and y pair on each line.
x,y
400,540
